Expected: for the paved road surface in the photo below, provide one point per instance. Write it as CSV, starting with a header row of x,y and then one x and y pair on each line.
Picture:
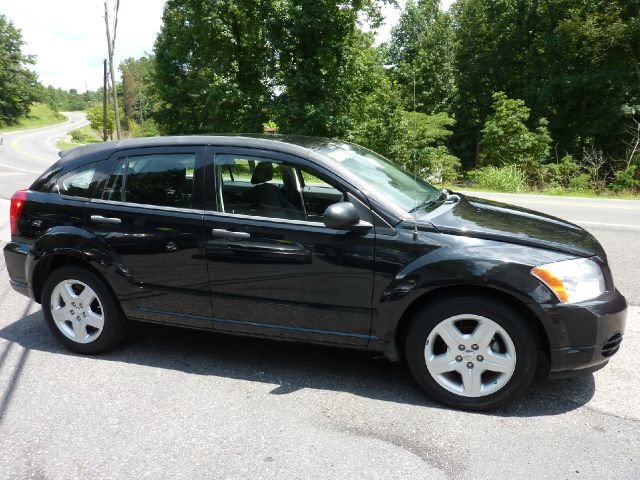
x,y
26,154
173,403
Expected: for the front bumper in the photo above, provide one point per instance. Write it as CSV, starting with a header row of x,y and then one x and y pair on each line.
x,y
15,257
583,337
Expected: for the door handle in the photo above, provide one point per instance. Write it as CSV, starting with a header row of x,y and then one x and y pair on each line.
x,y
109,220
221,232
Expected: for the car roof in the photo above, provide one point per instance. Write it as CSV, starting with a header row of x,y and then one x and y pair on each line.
x,y
293,144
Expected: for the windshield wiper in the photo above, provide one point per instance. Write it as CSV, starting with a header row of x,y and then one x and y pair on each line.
x,y
443,195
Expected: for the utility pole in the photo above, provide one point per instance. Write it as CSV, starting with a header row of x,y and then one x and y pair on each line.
x,y
104,103
110,47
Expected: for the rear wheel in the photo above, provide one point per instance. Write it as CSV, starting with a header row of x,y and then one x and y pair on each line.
x,y
81,311
471,353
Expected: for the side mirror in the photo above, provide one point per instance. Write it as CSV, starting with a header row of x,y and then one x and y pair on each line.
x,y
344,216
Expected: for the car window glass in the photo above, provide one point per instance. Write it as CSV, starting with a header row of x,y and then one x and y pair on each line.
x,y
78,183
160,179
268,188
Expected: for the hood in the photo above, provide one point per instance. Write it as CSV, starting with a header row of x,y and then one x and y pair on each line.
x,y
480,218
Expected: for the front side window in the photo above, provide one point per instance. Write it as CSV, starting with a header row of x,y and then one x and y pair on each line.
x,y
159,179
78,183
268,188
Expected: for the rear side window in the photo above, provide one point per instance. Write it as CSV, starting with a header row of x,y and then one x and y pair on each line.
x,y
159,179
78,183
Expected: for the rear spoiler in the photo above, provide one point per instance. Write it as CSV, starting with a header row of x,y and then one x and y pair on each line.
x,y
62,153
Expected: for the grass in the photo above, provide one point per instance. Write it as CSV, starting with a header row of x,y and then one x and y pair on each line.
x,y
40,115
79,137
625,195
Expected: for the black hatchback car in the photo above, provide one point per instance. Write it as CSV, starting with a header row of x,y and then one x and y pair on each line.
x,y
314,240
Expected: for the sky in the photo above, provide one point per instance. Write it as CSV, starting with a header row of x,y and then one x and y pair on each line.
x,y
68,36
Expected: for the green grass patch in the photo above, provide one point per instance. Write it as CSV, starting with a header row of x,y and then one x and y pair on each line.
x,y
79,137
39,116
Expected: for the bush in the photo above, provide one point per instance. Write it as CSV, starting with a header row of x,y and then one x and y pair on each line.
x,y
149,128
84,135
507,140
581,182
509,178
560,174
625,179
444,167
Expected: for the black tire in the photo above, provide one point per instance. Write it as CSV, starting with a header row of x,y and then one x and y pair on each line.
x,y
114,327
430,315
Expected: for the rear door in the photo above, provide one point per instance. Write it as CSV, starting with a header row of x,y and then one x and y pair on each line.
x,y
274,268
150,211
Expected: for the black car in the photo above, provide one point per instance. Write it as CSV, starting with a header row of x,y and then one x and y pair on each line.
x,y
314,240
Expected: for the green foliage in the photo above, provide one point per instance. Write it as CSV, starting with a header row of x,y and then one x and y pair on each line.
x,y
139,94
421,148
85,135
212,65
95,117
148,128
17,83
625,179
61,100
560,174
421,47
508,178
506,139
323,64
270,126
581,182
574,62
40,115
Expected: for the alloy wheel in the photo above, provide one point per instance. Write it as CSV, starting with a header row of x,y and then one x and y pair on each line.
x,y
470,355
77,311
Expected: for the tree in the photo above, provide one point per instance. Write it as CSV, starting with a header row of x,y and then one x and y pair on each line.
x,y
94,115
421,46
574,62
212,65
319,72
139,96
422,148
17,83
506,139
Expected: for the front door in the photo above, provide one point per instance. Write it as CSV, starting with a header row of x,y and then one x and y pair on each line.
x,y
150,213
274,268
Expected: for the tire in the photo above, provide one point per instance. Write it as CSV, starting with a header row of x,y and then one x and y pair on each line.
x,y
92,327
495,366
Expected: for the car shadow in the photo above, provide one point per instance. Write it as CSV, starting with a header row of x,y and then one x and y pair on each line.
x,y
290,366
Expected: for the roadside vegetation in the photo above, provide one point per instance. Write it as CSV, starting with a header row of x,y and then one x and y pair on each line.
x,y
513,96
39,115
81,136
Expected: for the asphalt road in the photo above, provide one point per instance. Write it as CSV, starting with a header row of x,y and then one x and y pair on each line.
x,y
25,154
173,403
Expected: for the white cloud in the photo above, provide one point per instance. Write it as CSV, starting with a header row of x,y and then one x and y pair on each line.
x,y
68,36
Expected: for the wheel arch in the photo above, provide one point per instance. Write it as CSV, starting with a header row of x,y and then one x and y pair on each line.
x,y
47,265
452,291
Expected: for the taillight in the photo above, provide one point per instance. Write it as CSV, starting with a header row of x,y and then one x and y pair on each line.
x,y
17,204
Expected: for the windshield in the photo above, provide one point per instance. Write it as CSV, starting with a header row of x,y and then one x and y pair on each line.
x,y
383,178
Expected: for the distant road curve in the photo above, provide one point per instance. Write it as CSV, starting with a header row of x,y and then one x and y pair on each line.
x,y
24,154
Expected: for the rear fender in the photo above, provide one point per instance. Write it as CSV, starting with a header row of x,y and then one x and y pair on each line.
x,y
82,246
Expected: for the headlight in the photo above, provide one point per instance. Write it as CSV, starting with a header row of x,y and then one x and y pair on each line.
x,y
572,280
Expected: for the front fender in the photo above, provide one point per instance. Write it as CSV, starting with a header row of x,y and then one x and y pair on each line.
x,y
446,262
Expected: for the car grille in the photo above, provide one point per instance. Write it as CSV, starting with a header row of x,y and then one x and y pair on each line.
x,y
612,345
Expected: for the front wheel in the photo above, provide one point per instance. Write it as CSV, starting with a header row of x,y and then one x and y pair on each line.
x,y
80,311
470,352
